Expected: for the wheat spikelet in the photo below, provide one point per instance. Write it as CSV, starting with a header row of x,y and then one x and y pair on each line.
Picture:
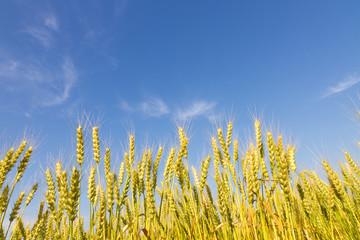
x,y
225,182
334,180
306,195
4,199
180,170
16,156
23,164
39,217
283,169
348,181
320,183
135,184
250,176
224,148
155,169
21,232
132,151
40,229
272,154
148,169
16,207
100,228
110,191
169,163
256,168
50,194
306,186
260,151
107,168
331,198
91,185
97,195
80,146
259,143
4,166
73,195
242,190
125,191
96,144
290,154
183,143
235,152
31,194
150,201
204,172
196,177
62,183
355,185
228,135
196,198
116,190
147,156
50,231
217,159
127,163
121,173
300,189
354,167
27,230
15,232
65,233
264,171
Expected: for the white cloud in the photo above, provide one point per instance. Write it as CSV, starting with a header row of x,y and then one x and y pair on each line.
x,y
69,77
8,68
51,22
156,107
43,32
198,108
126,107
113,61
153,107
341,86
38,83
43,35
26,72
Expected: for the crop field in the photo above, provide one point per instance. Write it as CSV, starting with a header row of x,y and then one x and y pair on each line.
x,y
252,194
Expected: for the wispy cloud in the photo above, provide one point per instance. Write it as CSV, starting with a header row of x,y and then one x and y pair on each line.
x,y
196,109
43,31
43,35
24,71
126,107
341,86
51,22
69,77
152,107
41,85
8,68
156,107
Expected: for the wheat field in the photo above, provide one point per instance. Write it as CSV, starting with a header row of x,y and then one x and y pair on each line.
x,y
257,194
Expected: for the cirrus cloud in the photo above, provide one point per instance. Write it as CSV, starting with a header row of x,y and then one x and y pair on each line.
x,y
152,107
345,84
198,108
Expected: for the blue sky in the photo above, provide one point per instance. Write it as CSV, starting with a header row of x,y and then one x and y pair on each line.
x,y
146,66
